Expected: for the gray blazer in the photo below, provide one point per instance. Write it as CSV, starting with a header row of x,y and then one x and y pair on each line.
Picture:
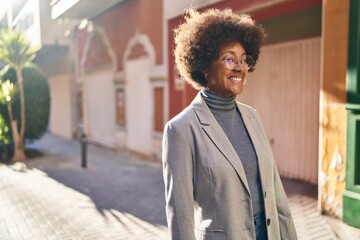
x,y
207,194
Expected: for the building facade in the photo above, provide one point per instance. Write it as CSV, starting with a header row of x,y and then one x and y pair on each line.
x,y
113,76
119,73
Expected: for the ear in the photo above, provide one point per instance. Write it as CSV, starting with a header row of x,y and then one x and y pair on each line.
x,y
205,72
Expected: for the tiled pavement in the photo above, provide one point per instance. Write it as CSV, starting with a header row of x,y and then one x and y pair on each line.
x,y
118,196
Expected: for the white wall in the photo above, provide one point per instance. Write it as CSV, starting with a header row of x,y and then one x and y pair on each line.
x,y
99,106
60,113
54,31
31,8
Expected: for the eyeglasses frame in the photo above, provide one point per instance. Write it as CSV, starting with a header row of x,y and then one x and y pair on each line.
x,y
241,61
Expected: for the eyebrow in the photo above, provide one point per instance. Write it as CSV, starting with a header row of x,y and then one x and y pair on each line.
x,y
233,53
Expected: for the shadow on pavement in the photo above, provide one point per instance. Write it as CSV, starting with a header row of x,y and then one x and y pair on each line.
x,y
113,181
297,187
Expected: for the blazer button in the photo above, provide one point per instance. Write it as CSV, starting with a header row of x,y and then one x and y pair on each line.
x,y
268,221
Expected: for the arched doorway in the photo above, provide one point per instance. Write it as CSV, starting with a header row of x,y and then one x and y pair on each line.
x,y
139,59
138,105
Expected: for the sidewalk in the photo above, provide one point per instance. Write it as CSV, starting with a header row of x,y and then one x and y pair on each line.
x,y
118,196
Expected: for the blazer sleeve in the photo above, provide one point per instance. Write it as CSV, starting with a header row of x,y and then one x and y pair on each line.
x,y
286,223
178,179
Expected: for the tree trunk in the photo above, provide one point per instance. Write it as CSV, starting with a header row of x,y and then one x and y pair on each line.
x,y
19,151
19,154
22,102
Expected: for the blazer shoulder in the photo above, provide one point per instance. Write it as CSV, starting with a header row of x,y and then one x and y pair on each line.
x,y
243,105
247,108
182,119
249,111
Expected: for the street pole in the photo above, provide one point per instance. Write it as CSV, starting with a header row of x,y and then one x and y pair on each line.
x,y
83,140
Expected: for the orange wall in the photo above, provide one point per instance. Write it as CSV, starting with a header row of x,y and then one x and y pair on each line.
x,y
333,119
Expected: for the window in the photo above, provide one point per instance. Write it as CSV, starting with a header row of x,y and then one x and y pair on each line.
x,y
120,107
158,109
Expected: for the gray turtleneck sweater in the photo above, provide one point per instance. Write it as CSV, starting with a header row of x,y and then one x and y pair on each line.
x,y
229,118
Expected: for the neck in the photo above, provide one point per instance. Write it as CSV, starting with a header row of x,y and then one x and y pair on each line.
x,y
217,101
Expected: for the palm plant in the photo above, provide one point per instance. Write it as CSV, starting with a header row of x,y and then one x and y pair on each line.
x,y
16,52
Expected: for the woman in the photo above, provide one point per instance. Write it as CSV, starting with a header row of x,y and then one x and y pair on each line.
x,y
220,177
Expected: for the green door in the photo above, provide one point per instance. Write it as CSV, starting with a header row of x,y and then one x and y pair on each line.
x,y
351,198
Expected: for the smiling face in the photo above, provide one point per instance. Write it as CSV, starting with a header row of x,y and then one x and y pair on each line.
x,y
220,79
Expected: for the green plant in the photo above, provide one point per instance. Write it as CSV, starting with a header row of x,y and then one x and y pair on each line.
x,y
7,92
4,132
37,94
4,138
16,52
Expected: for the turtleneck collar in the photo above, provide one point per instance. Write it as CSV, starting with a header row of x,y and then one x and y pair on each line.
x,y
216,101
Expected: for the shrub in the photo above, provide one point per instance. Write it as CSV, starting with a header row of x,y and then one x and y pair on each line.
x,y
37,101
4,138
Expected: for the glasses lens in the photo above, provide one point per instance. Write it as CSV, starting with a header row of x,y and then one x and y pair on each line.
x,y
230,63
249,61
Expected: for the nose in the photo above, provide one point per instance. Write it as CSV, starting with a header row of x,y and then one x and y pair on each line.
x,y
239,65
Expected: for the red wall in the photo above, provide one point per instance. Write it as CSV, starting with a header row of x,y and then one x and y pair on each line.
x,y
120,24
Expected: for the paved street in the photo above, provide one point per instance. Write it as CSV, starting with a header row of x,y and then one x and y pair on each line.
x,y
119,196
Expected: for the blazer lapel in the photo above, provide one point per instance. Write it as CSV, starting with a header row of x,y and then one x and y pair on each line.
x,y
259,141
214,131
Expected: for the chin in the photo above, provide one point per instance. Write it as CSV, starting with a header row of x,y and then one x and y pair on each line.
x,y
237,91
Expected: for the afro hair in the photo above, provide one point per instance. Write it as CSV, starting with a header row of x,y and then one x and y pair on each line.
x,y
199,38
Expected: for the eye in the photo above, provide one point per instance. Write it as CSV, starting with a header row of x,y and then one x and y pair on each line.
x,y
229,59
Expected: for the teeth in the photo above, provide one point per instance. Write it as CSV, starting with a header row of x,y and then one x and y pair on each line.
x,y
235,79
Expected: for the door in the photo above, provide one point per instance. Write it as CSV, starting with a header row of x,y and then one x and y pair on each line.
x,y
285,89
139,105
99,106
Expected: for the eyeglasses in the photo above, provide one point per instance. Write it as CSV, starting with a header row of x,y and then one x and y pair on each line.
x,y
246,60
